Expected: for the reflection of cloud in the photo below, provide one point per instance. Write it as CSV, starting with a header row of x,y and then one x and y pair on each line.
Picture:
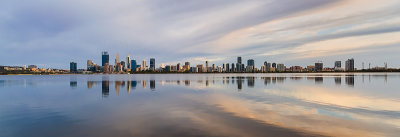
x,y
299,117
340,98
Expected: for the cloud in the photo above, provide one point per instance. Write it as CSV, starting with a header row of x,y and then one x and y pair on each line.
x,y
174,30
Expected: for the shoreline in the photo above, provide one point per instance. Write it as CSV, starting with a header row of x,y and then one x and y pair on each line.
x,y
210,73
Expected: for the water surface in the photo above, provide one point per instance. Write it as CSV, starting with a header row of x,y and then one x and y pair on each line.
x,y
332,104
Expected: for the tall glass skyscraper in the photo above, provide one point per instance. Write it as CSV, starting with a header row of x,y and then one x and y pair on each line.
x,y
105,58
239,60
133,65
73,67
250,62
152,64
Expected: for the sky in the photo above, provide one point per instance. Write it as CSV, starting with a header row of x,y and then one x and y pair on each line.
x,y
52,33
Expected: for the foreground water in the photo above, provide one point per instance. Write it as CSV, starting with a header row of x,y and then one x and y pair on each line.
x,y
334,104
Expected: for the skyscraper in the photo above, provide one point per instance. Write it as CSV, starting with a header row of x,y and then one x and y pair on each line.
x,y
338,64
133,65
152,64
319,66
128,62
206,70
144,67
89,64
280,67
178,67
73,67
117,59
105,58
349,65
250,62
239,60
274,65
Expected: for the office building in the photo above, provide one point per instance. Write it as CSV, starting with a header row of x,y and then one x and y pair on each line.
x,y
128,62
206,66
105,58
144,67
338,64
90,64
152,64
349,65
73,67
200,68
274,65
239,60
133,65
280,68
319,66
117,59
250,62
178,67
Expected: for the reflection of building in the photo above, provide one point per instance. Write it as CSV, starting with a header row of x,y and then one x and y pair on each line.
x,y
350,80
187,82
144,83
118,86
239,82
250,81
152,84
90,84
105,88
267,80
338,80
73,84
319,80
134,84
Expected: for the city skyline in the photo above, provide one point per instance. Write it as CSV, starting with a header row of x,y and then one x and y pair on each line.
x,y
50,34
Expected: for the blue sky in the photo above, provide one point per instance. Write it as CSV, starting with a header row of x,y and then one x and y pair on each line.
x,y
51,33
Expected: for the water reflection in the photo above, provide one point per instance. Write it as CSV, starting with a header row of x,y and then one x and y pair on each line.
x,y
238,81
205,105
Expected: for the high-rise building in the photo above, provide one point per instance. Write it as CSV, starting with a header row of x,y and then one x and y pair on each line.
x,y
105,58
206,70
89,64
152,64
239,60
73,67
117,59
123,65
319,66
349,65
250,62
338,64
144,67
280,67
233,67
200,68
178,67
274,65
128,62
187,63
133,65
